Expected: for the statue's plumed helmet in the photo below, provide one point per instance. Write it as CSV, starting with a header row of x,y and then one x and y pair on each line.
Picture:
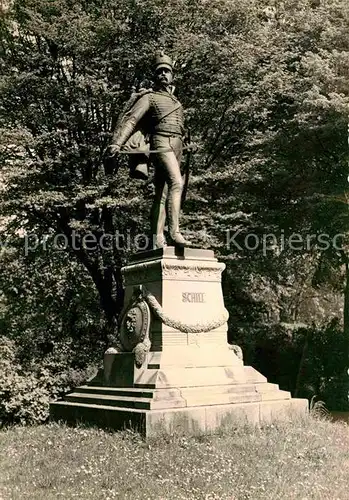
x,y
162,61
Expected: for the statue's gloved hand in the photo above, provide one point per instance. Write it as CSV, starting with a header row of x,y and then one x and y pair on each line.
x,y
192,147
113,149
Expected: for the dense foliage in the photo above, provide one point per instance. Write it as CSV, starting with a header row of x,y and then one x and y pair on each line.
x,y
265,89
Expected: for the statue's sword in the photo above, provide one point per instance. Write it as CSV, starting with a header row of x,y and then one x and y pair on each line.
x,y
187,168
190,146
151,151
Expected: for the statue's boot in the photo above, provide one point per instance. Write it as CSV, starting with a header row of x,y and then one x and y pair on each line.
x,y
179,241
158,218
159,241
173,207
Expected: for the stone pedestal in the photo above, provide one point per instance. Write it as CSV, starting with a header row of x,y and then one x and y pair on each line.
x,y
172,368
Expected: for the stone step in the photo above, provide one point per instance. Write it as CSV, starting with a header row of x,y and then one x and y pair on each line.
x,y
163,398
165,393
198,399
275,395
106,400
134,392
116,391
196,377
81,405
228,394
266,387
124,401
232,388
189,397
252,376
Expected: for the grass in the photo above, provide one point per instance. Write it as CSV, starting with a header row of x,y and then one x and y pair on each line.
x,y
307,459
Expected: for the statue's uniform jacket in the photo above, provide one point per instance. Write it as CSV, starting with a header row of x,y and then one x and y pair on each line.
x,y
160,116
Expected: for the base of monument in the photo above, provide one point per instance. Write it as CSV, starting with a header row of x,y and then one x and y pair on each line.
x,y
189,421
172,369
183,399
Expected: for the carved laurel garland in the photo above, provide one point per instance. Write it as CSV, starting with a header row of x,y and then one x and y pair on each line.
x,y
177,323
192,271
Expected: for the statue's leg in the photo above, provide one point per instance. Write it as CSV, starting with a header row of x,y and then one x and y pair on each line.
x,y
158,210
168,164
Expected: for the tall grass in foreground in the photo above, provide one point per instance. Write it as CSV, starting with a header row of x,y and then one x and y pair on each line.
x,y
306,459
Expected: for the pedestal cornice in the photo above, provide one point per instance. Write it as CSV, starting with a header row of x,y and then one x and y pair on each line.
x,y
170,269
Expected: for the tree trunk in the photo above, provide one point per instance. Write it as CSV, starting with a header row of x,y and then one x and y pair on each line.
x,y
301,368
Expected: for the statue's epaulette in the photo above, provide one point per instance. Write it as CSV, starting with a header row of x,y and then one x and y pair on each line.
x,y
171,96
135,96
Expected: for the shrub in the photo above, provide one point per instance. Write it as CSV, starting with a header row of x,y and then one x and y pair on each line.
x,y
25,394
305,360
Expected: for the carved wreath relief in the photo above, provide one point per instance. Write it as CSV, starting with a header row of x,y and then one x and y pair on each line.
x,y
134,330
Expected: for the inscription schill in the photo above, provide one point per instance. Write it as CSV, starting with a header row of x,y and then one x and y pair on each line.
x,y
198,297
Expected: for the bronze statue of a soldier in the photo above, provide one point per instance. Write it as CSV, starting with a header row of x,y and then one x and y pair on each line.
x,y
155,118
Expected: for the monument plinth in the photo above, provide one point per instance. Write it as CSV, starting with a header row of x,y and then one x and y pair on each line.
x,y
171,367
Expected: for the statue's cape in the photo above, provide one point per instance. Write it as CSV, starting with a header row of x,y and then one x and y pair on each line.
x,y
138,163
